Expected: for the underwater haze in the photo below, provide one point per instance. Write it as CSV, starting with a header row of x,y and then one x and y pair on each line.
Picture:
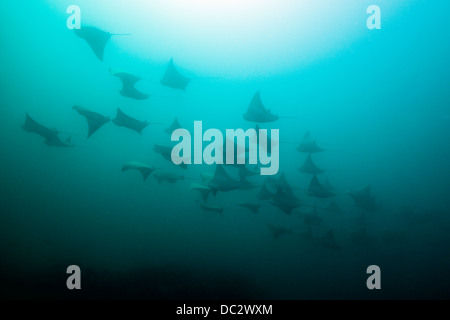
x,y
85,184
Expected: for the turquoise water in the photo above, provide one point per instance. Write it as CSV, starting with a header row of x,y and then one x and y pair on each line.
x,y
376,101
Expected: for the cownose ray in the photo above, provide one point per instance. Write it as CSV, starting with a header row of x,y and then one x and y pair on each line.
x,y
257,112
144,169
166,153
173,78
51,136
328,241
316,189
96,39
169,177
202,189
280,183
308,145
310,167
311,217
124,120
278,231
284,197
252,206
285,200
363,198
212,208
222,181
129,82
175,125
94,120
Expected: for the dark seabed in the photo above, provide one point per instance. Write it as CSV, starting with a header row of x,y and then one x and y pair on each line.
x,y
376,103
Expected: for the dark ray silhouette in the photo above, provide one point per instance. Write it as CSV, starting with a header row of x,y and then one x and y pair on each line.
x,y
317,190
123,120
97,39
174,79
202,189
280,183
308,145
129,82
51,136
207,207
278,231
285,200
252,206
175,125
256,111
222,181
94,120
311,217
310,167
363,198
166,153
329,241
144,169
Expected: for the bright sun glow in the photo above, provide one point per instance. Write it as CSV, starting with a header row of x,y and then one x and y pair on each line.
x,y
254,36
